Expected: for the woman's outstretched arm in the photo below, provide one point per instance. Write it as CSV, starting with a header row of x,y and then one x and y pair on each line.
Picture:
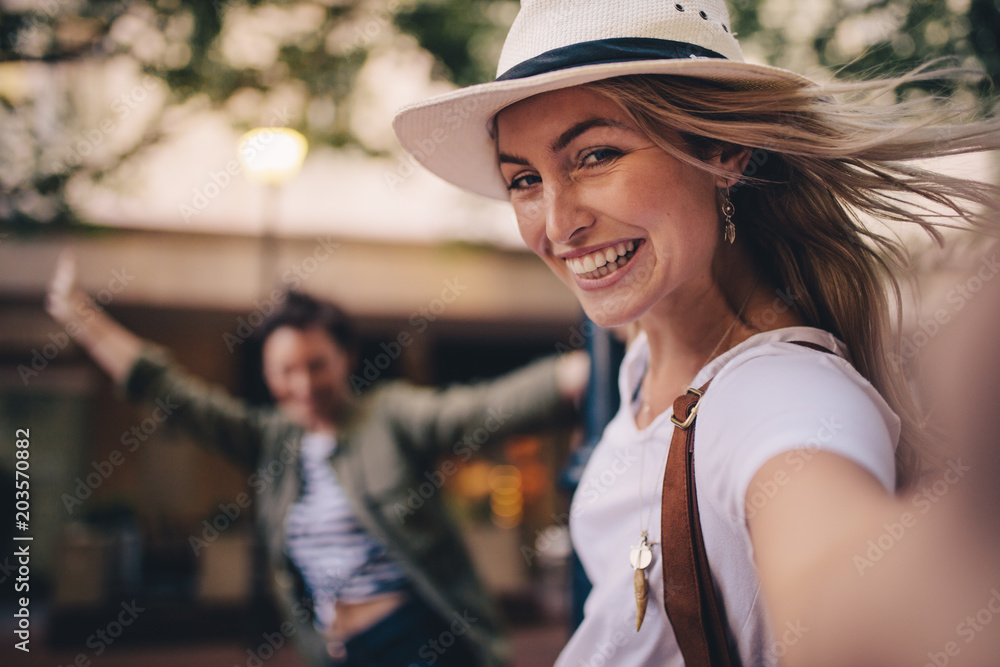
x,y
112,346
145,372
854,575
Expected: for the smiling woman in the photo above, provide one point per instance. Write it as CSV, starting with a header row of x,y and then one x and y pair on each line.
x,y
362,576
622,134
586,182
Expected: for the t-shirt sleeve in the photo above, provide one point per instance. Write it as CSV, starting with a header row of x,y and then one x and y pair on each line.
x,y
775,403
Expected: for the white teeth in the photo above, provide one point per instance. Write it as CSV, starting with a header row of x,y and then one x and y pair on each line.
x,y
602,262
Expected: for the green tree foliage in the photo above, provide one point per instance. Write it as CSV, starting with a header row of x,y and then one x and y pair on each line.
x,y
917,32
316,48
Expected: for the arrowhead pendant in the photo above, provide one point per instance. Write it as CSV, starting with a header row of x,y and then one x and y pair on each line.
x,y
640,557
641,597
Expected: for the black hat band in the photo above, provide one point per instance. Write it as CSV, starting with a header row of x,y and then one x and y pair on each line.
x,y
603,51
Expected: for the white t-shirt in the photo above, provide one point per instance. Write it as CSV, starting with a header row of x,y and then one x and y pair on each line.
x,y
768,397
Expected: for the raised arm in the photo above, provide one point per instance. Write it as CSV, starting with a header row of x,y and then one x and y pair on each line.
x,y
112,346
464,417
208,414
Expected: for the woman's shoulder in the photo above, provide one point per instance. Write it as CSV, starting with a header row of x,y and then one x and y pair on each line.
x,y
798,368
774,396
791,354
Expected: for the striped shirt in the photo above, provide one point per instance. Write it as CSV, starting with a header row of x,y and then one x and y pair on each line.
x,y
338,558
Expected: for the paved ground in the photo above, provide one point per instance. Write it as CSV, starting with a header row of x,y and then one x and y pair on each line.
x,y
534,647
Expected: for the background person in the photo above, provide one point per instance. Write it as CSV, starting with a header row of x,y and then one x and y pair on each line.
x,y
620,130
367,578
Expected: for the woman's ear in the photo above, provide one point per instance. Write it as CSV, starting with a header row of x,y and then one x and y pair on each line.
x,y
733,159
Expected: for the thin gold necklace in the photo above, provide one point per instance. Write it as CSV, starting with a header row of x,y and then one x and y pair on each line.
x,y
641,555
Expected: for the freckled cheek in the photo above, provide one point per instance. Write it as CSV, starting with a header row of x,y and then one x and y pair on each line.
x,y
532,230
685,218
627,198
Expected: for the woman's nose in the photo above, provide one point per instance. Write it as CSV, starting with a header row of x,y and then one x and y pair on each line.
x,y
565,217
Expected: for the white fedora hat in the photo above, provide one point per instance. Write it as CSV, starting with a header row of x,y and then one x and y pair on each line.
x,y
561,43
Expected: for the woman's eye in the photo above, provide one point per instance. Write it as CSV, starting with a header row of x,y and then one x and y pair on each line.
x,y
599,156
523,181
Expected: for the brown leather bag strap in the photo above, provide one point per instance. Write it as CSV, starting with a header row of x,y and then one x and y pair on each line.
x,y
696,615
689,597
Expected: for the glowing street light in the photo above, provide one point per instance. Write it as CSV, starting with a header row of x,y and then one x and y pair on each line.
x,y
272,155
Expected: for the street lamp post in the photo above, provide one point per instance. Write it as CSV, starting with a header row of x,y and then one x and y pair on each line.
x,y
271,156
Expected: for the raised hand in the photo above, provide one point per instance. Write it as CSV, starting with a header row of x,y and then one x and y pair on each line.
x,y
64,296
113,347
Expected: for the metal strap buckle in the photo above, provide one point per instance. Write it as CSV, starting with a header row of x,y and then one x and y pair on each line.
x,y
692,413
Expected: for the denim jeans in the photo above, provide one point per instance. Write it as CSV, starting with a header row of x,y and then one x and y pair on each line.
x,y
412,636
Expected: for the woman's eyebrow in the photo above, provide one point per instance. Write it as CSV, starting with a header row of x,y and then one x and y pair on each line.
x,y
581,127
506,158
564,139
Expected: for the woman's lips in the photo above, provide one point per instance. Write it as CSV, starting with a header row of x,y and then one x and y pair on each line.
x,y
603,267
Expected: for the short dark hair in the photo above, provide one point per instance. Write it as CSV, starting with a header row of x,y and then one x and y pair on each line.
x,y
301,311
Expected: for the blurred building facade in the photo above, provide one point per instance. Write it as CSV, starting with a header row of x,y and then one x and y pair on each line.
x,y
122,506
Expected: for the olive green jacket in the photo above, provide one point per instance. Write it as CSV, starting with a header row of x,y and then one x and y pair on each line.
x,y
385,459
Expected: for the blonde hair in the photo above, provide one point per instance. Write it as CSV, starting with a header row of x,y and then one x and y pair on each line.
x,y
821,165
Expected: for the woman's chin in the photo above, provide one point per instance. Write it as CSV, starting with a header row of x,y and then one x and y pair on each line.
x,y
609,314
299,413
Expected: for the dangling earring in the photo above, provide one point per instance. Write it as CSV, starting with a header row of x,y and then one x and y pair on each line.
x,y
727,210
